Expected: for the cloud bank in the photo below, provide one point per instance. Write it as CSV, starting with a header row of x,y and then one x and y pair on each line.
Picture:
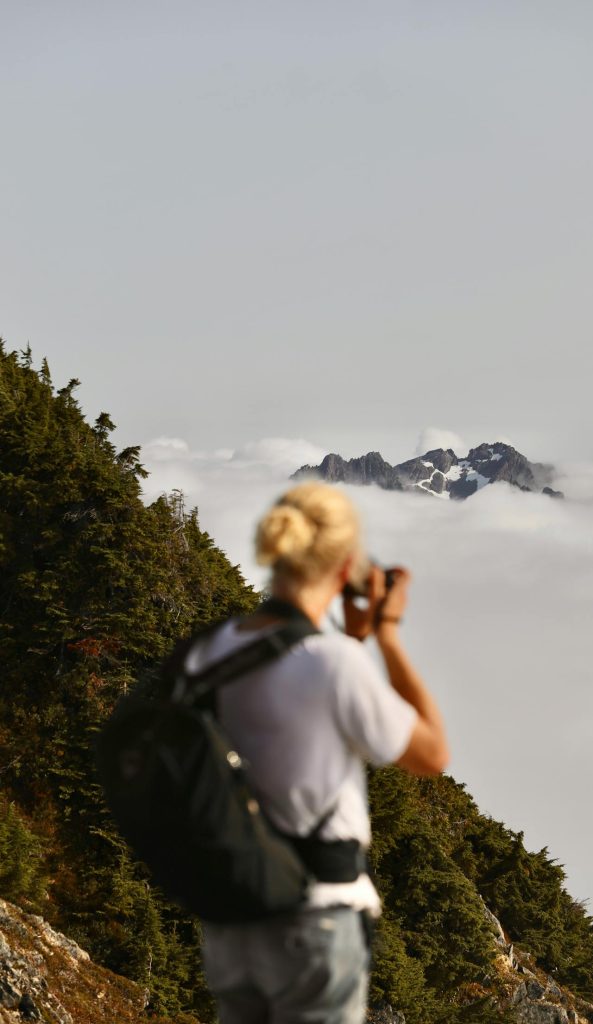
x,y
498,621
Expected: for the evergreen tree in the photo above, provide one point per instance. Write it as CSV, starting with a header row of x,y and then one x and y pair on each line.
x,y
22,874
94,589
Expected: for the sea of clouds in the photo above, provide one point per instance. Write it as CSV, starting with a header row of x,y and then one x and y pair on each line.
x,y
499,619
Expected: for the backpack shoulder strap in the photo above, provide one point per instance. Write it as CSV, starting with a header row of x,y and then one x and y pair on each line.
x,y
190,686
173,664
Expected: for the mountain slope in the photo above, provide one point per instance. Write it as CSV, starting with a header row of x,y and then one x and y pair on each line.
x,y
45,976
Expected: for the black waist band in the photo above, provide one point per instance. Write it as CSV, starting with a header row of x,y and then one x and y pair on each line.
x,y
339,860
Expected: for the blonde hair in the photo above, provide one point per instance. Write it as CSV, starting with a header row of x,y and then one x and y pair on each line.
x,y
308,532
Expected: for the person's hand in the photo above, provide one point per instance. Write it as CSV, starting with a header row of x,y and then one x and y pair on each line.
x,y
392,604
357,621
384,605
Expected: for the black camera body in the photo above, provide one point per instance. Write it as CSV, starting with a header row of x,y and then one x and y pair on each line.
x,y
352,590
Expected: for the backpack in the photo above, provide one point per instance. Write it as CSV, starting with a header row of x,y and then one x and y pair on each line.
x,y
179,794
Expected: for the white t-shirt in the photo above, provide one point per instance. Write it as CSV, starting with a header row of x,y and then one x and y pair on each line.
x,y
306,723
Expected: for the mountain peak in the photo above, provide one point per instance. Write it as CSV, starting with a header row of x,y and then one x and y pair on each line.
x,y
440,471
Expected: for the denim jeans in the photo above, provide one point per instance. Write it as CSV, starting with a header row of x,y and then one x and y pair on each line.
x,y
304,968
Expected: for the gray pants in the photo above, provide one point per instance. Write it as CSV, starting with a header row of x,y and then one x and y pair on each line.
x,y
306,968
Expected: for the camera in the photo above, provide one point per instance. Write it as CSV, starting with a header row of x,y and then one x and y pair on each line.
x,y
361,588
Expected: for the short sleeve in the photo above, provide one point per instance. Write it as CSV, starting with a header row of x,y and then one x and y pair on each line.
x,y
371,715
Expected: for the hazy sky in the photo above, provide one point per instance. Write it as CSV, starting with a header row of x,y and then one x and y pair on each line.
x,y
499,622
344,222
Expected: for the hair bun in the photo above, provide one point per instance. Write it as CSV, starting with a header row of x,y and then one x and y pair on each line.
x,y
284,533
309,532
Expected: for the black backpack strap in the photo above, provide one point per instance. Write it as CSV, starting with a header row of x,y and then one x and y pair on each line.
x,y
173,665
195,685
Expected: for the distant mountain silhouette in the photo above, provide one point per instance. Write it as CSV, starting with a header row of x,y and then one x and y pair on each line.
x,y
439,472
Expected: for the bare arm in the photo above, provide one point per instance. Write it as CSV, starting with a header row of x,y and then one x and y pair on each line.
x,y
427,752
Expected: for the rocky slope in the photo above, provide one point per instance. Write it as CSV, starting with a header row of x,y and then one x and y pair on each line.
x,y
516,984
439,472
46,977
534,996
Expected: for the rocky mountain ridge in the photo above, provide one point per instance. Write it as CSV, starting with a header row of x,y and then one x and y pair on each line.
x,y
45,976
439,472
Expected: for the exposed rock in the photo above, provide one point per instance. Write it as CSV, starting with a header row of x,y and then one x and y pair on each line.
x,y
439,471
442,459
499,936
553,991
414,471
534,989
368,469
541,1013
463,488
384,1014
437,482
46,976
9,997
53,938
535,997
540,1000
585,1010
27,1008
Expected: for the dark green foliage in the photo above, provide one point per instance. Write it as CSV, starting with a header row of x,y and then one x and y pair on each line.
x,y
22,875
398,979
436,858
435,942
524,890
94,589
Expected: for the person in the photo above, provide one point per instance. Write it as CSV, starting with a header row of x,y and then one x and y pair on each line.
x,y
306,724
